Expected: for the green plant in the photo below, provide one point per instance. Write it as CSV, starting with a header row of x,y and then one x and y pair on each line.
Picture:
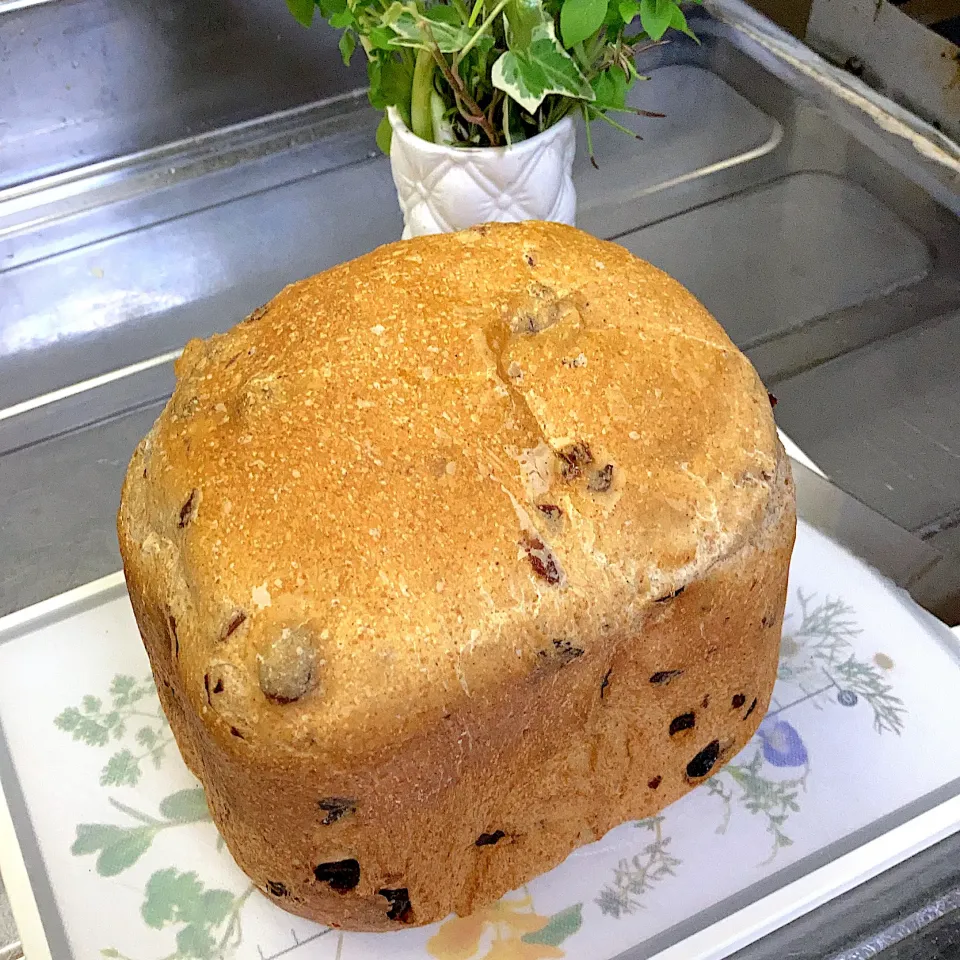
x,y
497,71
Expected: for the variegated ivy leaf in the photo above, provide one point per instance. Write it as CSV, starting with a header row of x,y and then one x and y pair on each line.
x,y
411,28
528,75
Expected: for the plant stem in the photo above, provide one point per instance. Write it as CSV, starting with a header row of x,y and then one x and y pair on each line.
x,y
586,125
473,114
497,10
420,120
135,814
617,126
477,7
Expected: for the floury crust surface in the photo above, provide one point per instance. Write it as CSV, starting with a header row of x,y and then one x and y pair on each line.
x,y
452,558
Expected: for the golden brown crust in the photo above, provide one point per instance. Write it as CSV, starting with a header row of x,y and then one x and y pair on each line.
x,y
401,547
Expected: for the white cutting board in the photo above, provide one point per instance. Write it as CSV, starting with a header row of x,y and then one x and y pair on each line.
x,y
864,722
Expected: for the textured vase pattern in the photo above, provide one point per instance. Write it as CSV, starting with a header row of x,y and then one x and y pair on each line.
x,y
443,189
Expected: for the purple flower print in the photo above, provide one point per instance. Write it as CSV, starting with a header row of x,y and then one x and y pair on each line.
x,y
782,745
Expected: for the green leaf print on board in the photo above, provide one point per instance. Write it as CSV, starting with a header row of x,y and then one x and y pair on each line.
x,y
133,703
634,877
560,926
818,653
119,848
209,920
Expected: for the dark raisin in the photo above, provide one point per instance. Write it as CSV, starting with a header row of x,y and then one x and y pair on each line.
x,y
336,808
206,685
237,733
662,677
738,701
773,400
703,762
602,480
705,702
670,596
174,636
605,682
531,259
277,889
573,458
218,686
686,721
342,875
187,511
541,559
399,901
565,651
753,706
550,510
655,782
236,621
488,839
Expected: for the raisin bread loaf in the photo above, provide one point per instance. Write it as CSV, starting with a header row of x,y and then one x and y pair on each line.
x,y
452,558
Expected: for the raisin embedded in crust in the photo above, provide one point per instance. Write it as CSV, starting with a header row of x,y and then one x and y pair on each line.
x,y
662,677
738,701
573,458
541,559
237,619
563,650
188,511
336,808
489,839
602,480
686,721
399,901
341,875
277,889
704,761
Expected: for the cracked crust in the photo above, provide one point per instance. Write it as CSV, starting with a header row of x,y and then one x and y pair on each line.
x,y
409,545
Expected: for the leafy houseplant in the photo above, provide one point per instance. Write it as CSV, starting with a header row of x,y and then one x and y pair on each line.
x,y
496,73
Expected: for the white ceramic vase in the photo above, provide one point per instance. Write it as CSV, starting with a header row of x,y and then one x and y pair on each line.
x,y
443,189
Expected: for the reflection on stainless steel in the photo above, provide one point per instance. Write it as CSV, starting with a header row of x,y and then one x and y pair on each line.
x,y
165,170
79,316
800,243
84,80
708,127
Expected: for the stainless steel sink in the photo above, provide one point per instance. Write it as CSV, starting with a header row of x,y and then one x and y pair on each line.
x,y
165,170
809,230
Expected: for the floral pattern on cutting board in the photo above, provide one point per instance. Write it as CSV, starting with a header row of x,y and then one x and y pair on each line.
x,y
823,665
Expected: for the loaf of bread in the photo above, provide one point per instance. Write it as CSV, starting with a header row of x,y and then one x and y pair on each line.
x,y
452,558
